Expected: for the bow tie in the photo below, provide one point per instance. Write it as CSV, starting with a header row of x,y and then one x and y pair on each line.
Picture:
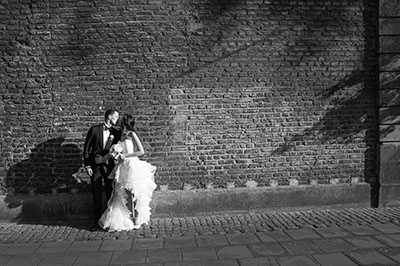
x,y
107,128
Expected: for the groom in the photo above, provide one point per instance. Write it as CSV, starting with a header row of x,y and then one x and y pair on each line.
x,y
98,164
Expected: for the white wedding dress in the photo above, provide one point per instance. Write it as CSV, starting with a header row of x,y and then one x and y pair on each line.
x,y
136,176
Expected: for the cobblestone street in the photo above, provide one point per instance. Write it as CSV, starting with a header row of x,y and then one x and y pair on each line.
x,y
356,236
256,221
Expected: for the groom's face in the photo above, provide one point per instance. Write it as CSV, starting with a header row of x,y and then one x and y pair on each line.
x,y
114,118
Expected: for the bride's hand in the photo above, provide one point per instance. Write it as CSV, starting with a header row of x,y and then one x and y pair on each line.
x,y
123,156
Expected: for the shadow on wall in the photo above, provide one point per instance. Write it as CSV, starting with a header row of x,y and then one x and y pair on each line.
x,y
334,125
51,164
342,122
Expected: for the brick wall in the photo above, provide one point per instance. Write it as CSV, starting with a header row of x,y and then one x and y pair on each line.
x,y
222,90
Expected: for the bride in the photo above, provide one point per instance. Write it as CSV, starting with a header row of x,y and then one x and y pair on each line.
x,y
133,185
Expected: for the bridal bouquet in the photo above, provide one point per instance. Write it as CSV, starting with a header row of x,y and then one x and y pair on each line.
x,y
116,151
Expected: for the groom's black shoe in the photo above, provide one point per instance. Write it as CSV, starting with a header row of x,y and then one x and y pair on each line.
x,y
95,227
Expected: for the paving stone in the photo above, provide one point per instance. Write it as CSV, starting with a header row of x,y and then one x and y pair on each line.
x,y
59,259
84,246
54,247
148,243
234,252
128,257
23,248
302,234
147,264
258,261
179,242
389,240
93,258
395,236
4,247
237,239
364,242
264,237
277,236
300,247
199,253
333,244
182,263
361,230
163,255
4,259
393,253
332,232
115,245
295,261
219,263
213,240
334,259
387,228
25,259
267,249
370,257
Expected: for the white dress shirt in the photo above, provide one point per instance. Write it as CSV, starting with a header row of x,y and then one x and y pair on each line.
x,y
106,134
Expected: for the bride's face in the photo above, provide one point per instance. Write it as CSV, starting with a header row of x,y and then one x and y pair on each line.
x,y
124,130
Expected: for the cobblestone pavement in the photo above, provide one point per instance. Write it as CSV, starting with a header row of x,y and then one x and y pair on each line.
x,y
230,223
342,237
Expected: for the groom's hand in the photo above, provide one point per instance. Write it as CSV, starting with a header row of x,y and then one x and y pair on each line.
x,y
102,159
89,171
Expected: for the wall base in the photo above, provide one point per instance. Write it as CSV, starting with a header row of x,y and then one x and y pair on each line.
x,y
193,202
389,195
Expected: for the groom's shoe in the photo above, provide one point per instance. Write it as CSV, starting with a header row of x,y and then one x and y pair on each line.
x,y
95,227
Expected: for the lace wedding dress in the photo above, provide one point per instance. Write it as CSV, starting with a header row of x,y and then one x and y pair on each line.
x,y
137,177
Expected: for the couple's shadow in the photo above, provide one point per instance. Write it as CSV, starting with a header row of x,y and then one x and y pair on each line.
x,y
32,184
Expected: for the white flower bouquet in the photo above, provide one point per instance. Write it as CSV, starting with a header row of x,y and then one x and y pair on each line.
x,y
116,151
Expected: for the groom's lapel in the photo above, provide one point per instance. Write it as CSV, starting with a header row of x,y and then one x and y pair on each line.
x,y
110,139
108,144
101,144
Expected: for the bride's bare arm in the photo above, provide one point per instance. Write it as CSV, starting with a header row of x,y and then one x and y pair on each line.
x,y
139,145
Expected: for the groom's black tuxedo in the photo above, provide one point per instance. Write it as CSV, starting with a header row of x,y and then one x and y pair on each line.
x,y
94,147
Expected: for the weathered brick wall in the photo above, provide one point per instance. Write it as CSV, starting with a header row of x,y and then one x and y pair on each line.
x,y
222,90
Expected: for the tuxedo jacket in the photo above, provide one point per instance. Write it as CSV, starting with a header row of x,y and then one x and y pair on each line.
x,y
94,147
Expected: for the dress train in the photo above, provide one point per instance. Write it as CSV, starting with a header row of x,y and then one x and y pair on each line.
x,y
137,177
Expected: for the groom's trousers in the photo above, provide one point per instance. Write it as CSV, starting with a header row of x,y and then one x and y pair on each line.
x,y
97,192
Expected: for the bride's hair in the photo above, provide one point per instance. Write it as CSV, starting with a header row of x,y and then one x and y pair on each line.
x,y
128,123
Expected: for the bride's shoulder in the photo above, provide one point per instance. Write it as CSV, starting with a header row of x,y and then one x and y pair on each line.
x,y
130,134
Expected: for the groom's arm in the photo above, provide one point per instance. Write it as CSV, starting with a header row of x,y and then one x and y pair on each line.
x,y
102,159
88,146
